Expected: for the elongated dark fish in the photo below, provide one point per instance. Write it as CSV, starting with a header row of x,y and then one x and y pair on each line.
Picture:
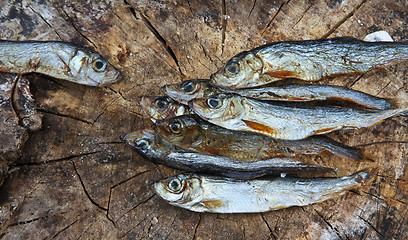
x,y
309,60
59,60
284,121
200,88
154,148
163,107
200,193
193,133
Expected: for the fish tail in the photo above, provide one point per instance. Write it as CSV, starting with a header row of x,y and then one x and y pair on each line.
x,y
366,176
341,150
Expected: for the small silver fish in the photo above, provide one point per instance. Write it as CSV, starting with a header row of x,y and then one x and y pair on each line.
x,y
200,88
163,107
59,60
154,148
201,193
193,133
309,60
284,121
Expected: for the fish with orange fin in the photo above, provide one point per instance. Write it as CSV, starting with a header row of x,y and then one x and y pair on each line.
x,y
193,133
201,193
152,147
201,88
290,121
309,60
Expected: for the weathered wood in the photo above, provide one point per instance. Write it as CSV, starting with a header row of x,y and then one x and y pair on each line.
x,y
74,179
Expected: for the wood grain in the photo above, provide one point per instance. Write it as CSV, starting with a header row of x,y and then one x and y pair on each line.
x,y
73,179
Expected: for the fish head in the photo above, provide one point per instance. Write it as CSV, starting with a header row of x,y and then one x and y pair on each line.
x,y
188,90
181,190
161,107
239,72
218,107
142,141
87,67
184,130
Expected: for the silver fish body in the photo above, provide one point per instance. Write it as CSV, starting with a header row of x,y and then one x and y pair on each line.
x,y
309,60
200,88
200,193
161,107
284,121
193,133
59,60
154,148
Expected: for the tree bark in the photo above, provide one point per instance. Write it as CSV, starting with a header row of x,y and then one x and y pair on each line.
x,y
74,179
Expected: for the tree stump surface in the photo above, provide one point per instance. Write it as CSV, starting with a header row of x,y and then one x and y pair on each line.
x,y
74,179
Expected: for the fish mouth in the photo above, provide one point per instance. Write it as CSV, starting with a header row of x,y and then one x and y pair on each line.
x,y
193,105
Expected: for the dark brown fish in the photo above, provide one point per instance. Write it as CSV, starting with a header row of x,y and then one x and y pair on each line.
x,y
193,133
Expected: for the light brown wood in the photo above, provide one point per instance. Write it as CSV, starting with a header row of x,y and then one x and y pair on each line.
x,y
74,179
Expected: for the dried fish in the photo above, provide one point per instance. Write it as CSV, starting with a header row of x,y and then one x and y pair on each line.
x,y
200,193
59,60
309,60
154,148
163,107
200,88
193,133
290,121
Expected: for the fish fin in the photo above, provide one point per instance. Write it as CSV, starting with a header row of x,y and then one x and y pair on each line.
x,y
364,177
212,204
325,130
282,74
260,127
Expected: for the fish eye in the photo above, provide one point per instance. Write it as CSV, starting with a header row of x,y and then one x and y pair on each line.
x,y
214,103
175,127
232,68
188,87
161,102
143,144
99,65
175,185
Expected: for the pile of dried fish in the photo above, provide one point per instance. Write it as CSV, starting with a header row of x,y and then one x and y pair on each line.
x,y
224,126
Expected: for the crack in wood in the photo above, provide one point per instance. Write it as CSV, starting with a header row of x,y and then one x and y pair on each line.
x,y
329,224
196,227
104,110
137,205
371,226
107,209
86,230
161,40
46,22
64,116
274,16
130,178
77,30
84,188
223,24
383,88
304,13
382,142
252,9
46,162
355,81
343,20
65,228
171,224
273,235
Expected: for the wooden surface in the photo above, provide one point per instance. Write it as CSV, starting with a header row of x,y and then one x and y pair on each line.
x,y
73,179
